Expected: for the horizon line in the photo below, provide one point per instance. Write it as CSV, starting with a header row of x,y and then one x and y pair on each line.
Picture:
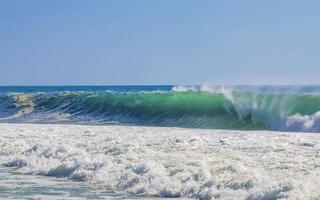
x,y
133,85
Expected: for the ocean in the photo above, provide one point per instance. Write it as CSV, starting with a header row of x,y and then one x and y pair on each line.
x,y
146,142
279,108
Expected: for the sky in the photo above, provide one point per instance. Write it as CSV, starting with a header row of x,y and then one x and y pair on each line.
x,y
180,42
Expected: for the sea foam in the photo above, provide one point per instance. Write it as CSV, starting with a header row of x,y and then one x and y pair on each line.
x,y
169,162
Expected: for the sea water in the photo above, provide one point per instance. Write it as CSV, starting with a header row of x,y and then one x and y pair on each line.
x,y
159,141
282,108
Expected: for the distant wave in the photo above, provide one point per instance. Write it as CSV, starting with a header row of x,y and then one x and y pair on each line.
x,y
196,107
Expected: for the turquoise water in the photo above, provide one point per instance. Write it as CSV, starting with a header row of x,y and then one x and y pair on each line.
x,y
285,108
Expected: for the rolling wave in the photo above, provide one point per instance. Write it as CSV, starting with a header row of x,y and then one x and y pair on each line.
x,y
184,107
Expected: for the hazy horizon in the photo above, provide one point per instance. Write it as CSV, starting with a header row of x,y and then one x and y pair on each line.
x,y
128,85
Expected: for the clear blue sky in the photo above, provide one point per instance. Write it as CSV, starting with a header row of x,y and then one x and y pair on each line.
x,y
115,42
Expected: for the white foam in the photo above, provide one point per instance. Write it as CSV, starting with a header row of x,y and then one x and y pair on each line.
x,y
169,162
183,88
307,123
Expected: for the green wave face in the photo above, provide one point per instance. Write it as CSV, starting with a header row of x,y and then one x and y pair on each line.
x,y
240,110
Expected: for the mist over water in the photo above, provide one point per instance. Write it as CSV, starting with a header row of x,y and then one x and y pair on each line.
x,y
282,108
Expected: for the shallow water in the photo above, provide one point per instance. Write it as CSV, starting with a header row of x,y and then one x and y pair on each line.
x,y
15,185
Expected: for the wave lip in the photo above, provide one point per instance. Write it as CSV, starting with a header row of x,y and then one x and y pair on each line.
x,y
196,107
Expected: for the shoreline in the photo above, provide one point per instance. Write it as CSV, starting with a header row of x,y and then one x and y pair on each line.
x,y
169,161
157,126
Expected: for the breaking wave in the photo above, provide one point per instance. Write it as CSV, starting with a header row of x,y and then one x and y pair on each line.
x,y
203,107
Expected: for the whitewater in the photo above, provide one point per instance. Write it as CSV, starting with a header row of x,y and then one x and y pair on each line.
x,y
148,162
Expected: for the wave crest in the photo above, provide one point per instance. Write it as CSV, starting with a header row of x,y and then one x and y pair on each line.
x,y
202,107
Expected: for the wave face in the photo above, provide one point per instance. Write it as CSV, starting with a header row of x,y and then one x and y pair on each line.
x,y
197,107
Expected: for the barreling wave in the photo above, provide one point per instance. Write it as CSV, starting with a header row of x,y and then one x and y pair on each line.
x,y
183,107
